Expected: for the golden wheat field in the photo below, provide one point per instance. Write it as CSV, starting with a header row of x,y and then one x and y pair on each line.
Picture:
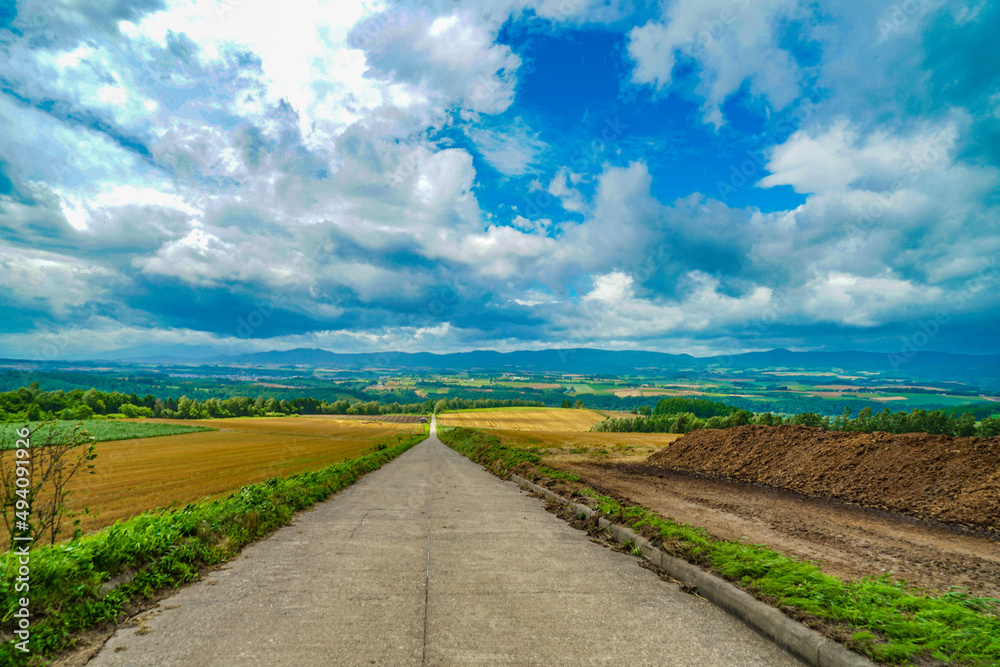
x,y
551,419
133,476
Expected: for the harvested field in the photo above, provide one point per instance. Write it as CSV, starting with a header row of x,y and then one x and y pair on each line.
x,y
133,476
386,419
567,447
550,419
953,480
316,425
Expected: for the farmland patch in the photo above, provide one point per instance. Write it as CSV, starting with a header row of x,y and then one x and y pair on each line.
x,y
557,420
132,476
103,430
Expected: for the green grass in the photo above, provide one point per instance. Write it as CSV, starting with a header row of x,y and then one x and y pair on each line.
x,y
487,449
103,430
885,619
559,474
167,548
603,387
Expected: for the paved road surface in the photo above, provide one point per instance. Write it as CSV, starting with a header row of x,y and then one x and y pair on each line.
x,y
432,560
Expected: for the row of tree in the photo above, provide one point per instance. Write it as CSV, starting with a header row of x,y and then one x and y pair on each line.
x,y
242,406
32,404
915,421
683,422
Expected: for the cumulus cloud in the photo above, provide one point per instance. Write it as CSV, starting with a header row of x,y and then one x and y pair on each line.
x,y
731,40
848,299
839,157
562,187
52,283
452,59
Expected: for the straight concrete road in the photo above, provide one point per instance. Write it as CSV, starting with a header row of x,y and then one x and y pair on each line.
x,y
432,560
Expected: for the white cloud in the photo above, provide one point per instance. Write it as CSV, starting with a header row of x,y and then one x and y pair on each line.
x,y
81,209
512,150
449,59
838,158
204,258
49,282
732,40
611,288
502,252
612,310
561,187
854,300
304,60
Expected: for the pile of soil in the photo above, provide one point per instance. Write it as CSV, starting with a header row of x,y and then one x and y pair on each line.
x,y
953,480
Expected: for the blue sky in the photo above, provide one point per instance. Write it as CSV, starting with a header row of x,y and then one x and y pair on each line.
x,y
700,176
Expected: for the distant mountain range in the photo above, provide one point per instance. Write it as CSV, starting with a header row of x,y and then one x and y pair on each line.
x,y
925,365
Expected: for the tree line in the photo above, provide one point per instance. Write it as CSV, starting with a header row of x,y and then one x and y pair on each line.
x,y
32,404
680,415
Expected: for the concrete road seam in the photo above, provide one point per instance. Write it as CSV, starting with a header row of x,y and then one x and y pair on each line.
x,y
796,638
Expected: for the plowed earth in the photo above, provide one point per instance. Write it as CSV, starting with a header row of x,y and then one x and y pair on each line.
x,y
954,480
858,504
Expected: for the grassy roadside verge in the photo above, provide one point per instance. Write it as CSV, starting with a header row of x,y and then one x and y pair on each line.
x,y
878,617
69,590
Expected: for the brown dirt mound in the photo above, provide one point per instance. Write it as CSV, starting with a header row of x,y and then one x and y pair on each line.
x,y
954,480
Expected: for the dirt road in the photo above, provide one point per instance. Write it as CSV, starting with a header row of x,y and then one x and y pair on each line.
x,y
849,541
432,560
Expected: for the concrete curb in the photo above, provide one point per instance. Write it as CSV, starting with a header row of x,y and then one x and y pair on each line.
x,y
799,640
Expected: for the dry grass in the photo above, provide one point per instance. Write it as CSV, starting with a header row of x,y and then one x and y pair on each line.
x,y
563,448
133,476
552,420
